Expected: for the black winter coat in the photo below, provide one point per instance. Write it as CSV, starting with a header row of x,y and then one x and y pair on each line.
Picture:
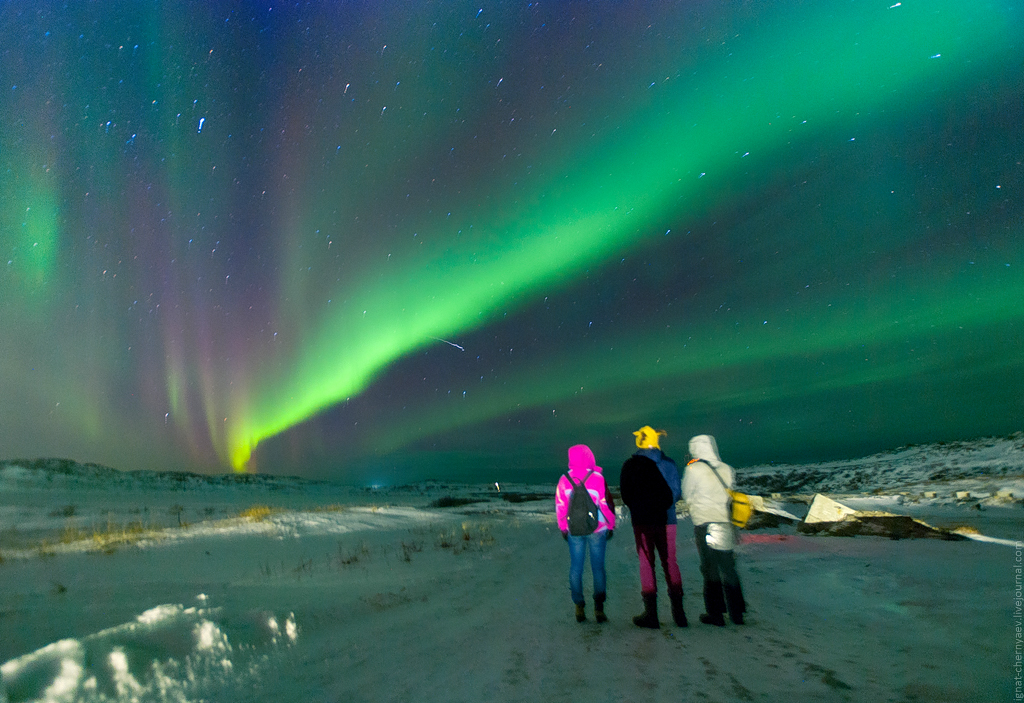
x,y
644,491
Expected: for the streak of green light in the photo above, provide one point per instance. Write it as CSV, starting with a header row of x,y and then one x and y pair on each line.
x,y
29,228
804,73
676,359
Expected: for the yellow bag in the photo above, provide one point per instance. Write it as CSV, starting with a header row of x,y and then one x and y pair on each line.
x,y
739,503
739,508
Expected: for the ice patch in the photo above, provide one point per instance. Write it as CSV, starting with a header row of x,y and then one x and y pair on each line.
x,y
209,638
291,629
160,613
127,687
168,653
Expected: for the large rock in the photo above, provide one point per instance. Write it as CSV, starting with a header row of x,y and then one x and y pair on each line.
x,y
830,517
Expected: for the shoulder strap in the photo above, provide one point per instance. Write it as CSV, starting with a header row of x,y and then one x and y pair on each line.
x,y
717,475
581,483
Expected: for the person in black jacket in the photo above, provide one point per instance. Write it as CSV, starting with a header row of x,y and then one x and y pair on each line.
x,y
648,497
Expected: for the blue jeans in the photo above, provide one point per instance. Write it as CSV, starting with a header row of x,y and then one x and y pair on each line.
x,y
578,547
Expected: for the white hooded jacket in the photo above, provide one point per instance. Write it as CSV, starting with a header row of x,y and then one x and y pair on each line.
x,y
705,496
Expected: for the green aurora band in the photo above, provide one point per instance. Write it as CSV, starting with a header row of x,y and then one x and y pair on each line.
x,y
236,237
795,75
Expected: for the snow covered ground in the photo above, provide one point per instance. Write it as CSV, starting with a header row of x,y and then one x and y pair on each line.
x,y
134,586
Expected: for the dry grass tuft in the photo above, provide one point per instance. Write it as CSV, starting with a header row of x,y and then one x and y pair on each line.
x,y
964,530
117,535
257,513
71,534
348,558
332,508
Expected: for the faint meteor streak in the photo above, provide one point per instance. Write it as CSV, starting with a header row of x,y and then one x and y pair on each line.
x,y
460,348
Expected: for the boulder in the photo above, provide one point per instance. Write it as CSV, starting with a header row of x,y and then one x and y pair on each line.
x,y
830,517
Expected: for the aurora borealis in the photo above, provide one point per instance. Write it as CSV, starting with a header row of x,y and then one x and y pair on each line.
x,y
379,241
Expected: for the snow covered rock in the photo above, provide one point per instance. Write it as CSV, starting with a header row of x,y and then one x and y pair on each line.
x,y
830,517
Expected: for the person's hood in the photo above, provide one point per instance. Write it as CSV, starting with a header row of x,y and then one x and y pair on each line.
x,y
705,448
581,460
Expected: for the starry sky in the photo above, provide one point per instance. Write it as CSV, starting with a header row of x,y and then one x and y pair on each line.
x,y
381,242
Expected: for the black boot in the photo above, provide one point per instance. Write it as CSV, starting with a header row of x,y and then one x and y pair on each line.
x,y
678,614
581,613
649,618
714,604
716,620
599,615
734,600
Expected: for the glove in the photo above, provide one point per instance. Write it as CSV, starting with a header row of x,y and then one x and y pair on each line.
x,y
565,535
611,533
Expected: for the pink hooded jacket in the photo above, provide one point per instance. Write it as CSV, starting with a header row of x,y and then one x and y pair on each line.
x,y
581,460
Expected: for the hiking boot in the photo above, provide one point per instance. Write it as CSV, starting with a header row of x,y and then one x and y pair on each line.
x,y
678,614
649,618
734,599
716,620
599,608
581,613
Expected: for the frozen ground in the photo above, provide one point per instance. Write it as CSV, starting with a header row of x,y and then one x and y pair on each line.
x,y
352,594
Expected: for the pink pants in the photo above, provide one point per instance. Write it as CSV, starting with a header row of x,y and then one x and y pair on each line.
x,y
660,538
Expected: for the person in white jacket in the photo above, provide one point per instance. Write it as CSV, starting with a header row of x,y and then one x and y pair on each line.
x,y
708,502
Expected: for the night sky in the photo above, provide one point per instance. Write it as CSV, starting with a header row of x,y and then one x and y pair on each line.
x,y
388,241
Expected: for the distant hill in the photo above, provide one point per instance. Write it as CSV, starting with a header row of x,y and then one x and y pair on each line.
x,y
49,472
938,462
990,457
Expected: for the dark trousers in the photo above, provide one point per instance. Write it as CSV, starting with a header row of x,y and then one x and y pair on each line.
x,y
721,582
660,540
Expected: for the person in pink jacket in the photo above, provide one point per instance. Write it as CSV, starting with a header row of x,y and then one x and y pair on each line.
x,y
583,469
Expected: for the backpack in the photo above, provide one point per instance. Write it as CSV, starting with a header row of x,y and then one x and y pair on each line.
x,y
583,519
739,506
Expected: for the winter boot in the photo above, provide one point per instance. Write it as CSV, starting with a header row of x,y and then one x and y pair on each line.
x,y
737,606
678,614
581,613
599,607
649,618
716,620
714,603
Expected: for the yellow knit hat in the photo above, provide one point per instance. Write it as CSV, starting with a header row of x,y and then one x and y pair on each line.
x,y
647,437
